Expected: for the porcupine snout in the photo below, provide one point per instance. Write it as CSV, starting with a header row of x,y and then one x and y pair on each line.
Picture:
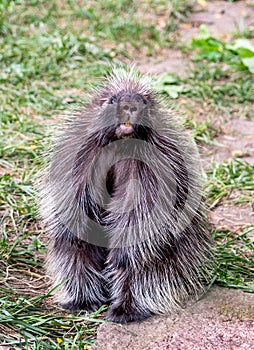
x,y
131,110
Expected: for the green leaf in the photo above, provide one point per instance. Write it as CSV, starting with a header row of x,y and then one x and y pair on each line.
x,y
172,90
249,63
242,44
166,83
204,31
165,79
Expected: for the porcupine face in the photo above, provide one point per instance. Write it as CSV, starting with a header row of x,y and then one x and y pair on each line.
x,y
131,114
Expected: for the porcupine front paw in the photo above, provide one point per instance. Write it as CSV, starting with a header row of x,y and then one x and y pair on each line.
x,y
121,314
90,306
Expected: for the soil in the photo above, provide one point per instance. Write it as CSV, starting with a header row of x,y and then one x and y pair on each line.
x,y
231,216
222,17
236,138
224,318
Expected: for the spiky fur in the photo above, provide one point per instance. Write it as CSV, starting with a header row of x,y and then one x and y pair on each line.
x,y
150,256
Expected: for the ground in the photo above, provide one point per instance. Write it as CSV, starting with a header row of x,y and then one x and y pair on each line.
x,y
52,54
222,320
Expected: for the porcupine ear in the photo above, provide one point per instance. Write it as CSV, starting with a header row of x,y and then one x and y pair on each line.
x,y
102,99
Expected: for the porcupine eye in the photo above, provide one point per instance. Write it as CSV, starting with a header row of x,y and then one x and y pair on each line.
x,y
112,100
145,101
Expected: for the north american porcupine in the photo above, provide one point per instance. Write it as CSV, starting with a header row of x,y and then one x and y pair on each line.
x,y
122,202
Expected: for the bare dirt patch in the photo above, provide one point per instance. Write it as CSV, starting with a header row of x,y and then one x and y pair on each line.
x,y
222,17
231,216
236,139
175,63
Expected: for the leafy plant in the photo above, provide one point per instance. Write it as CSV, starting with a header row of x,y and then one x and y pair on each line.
x,y
240,54
168,84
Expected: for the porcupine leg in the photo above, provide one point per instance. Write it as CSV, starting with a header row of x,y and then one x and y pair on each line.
x,y
76,267
141,286
126,299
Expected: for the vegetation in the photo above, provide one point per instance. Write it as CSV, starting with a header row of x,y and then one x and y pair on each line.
x,y
51,54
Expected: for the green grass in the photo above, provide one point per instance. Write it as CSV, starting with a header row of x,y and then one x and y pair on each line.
x,y
27,326
51,54
235,265
232,182
227,178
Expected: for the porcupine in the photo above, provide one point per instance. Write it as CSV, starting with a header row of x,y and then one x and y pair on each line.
x,y
123,205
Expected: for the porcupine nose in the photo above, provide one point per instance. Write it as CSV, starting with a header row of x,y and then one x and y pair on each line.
x,y
129,113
